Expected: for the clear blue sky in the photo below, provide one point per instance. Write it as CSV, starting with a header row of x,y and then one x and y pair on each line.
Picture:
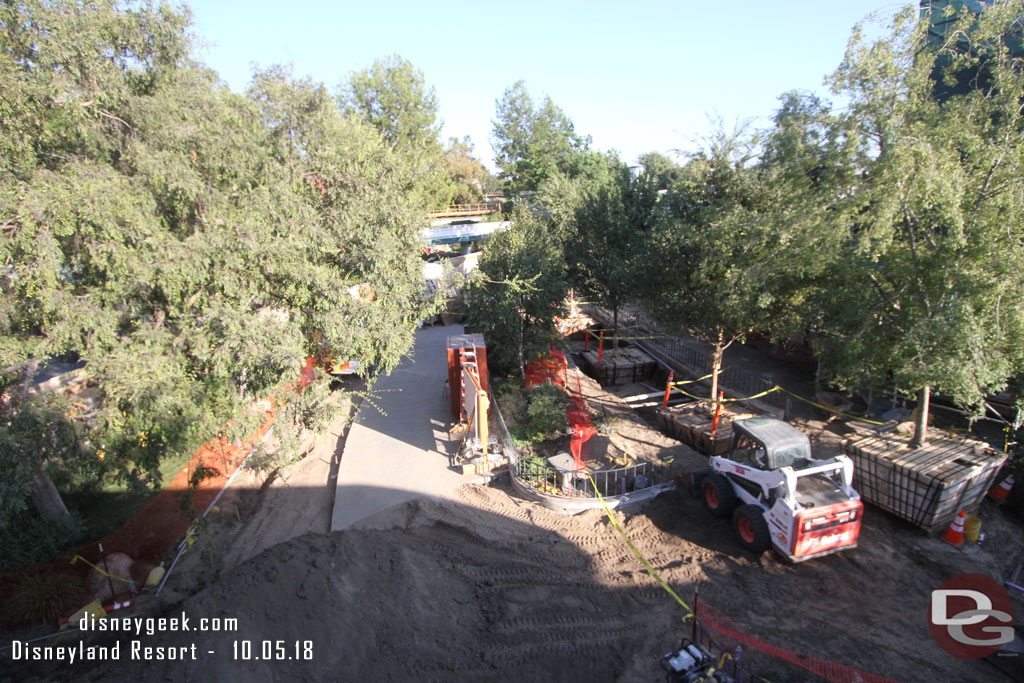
x,y
636,76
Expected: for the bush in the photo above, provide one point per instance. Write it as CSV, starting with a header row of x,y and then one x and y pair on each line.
x,y
28,539
43,598
512,406
546,412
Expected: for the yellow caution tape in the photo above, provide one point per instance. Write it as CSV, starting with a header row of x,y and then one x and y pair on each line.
x,y
625,537
692,381
107,574
829,409
731,400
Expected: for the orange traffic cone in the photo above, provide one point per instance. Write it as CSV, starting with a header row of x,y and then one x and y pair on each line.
x,y
1001,491
955,533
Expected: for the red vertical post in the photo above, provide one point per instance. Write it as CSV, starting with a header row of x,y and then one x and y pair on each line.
x,y
586,340
718,411
600,348
668,388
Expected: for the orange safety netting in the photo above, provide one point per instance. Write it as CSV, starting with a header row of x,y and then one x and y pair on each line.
x,y
553,368
147,535
726,630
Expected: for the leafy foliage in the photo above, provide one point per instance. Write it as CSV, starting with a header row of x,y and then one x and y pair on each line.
x,y
192,245
932,265
541,412
533,140
518,292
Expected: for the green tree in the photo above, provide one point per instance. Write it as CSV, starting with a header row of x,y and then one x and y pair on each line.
x,y
606,248
532,140
665,171
715,251
191,245
518,292
392,96
468,176
932,268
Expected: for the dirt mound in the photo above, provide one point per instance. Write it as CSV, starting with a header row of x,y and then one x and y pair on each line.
x,y
488,586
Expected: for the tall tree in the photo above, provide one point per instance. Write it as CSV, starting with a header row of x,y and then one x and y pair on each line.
x,y
191,245
933,267
392,96
665,171
532,140
605,250
715,252
518,291
469,177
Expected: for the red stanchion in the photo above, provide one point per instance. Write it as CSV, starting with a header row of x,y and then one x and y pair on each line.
x,y
600,348
668,389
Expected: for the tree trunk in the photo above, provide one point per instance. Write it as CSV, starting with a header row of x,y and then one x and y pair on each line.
x,y
615,327
45,496
921,424
522,359
716,365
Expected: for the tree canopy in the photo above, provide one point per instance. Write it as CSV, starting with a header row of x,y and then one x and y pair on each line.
x,y
532,140
518,291
933,258
192,246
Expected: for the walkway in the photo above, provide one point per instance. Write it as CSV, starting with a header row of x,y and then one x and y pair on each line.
x,y
399,450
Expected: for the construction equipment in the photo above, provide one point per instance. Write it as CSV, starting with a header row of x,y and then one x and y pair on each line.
x,y
692,663
779,496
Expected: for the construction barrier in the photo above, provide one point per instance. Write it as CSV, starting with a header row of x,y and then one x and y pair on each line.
x,y
722,626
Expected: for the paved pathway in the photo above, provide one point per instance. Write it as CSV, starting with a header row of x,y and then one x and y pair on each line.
x,y
402,454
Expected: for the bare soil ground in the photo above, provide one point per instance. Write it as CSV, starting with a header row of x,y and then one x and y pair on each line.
x,y
487,586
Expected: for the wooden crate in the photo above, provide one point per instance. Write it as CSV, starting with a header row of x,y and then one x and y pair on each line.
x,y
624,365
926,486
691,424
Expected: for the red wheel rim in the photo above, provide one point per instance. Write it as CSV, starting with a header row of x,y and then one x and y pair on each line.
x,y
746,530
710,496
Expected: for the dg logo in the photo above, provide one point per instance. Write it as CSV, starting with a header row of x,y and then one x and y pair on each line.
x,y
971,616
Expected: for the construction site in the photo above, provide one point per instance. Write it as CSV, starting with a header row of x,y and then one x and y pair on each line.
x,y
425,541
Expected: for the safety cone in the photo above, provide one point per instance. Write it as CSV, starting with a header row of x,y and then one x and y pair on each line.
x,y
1001,491
955,533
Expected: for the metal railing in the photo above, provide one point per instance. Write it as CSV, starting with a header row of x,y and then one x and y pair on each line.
x,y
538,474
455,210
738,381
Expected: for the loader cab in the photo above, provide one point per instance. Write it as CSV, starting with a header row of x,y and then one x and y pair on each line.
x,y
767,443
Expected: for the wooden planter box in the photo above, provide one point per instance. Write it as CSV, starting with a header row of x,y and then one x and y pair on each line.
x,y
691,424
926,486
624,365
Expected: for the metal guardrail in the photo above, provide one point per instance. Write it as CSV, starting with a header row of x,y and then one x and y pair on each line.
x,y
456,210
541,476
739,381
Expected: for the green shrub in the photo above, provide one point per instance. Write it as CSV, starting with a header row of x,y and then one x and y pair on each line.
x,y
28,539
546,412
43,598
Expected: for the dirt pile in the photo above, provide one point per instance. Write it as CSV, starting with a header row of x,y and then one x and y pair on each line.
x,y
487,586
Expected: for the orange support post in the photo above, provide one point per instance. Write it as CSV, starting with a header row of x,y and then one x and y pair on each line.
x,y
718,411
586,340
668,388
600,348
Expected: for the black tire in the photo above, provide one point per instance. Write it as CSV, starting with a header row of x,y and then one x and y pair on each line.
x,y
751,528
719,498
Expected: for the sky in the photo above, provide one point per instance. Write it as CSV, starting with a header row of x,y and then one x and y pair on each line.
x,y
637,76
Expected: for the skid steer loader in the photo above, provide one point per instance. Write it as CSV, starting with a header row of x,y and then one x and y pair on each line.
x,y
779,496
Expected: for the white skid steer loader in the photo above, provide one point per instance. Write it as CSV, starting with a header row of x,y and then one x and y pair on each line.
x,y
779,496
